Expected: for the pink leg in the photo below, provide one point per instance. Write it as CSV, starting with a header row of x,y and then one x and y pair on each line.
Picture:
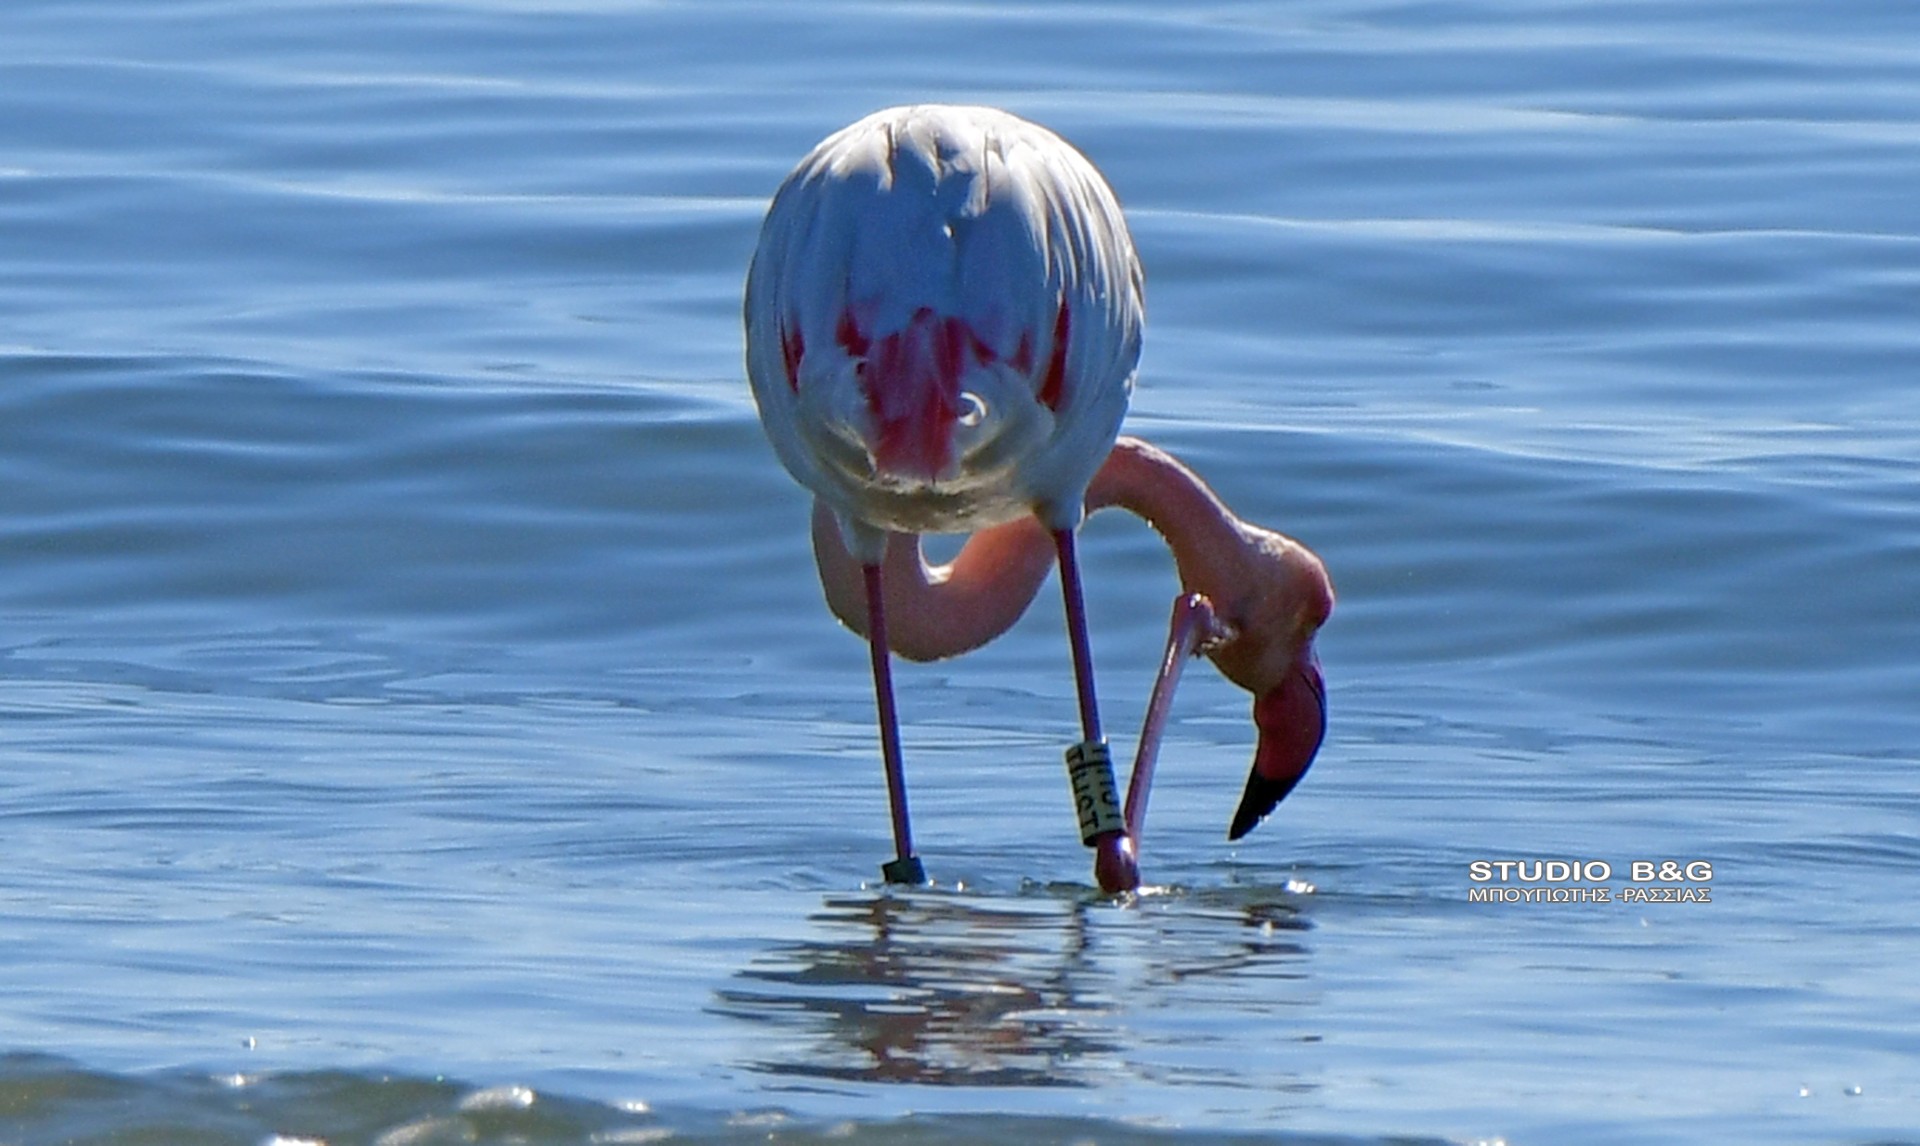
x,y
1063,540
1113,862
905,867
1192,628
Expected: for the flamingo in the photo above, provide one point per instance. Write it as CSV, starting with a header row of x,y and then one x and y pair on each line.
x,y
943,320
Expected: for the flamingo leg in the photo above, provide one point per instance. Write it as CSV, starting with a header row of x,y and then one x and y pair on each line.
x,y
905,867
1192,628
1089,762
1063,540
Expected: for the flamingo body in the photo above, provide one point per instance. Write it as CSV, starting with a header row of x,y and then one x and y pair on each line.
x,y
943,320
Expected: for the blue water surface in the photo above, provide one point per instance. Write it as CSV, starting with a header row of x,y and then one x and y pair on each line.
x,y
419,721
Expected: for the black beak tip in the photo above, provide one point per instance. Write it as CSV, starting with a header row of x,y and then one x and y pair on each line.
x,y
1262,796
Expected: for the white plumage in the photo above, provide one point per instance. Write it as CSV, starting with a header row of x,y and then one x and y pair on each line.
x,y
943,320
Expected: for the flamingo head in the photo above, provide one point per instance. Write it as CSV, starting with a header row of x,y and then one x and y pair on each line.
x,y
1283,596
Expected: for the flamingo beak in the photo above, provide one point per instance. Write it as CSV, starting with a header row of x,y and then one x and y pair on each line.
x,y
1292,718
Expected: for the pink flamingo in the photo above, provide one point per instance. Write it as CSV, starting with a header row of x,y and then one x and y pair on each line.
x,y
943,320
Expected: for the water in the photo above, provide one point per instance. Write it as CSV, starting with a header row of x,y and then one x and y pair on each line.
x,y
420,724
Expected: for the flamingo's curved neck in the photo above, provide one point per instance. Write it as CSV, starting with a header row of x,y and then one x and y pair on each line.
x,y
942,611
1159,489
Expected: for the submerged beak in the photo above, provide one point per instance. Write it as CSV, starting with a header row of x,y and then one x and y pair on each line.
x,y
1291,717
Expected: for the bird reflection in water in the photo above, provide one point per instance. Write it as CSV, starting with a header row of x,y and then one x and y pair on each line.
x,y
948,988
